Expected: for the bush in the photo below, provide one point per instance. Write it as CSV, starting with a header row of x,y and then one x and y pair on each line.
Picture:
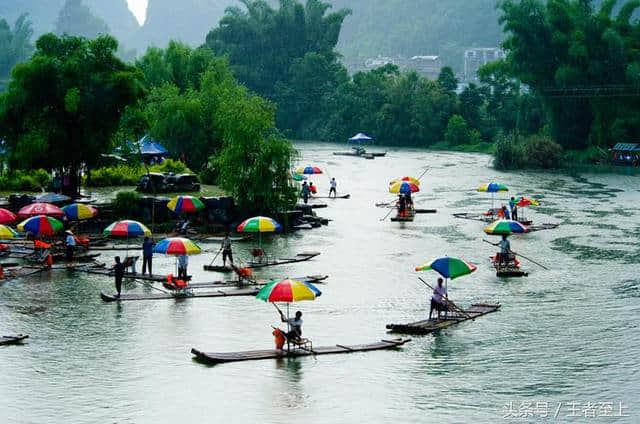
x,y
209,173
509,152
120,175
542,152
457,132
170,165
127,204
20,180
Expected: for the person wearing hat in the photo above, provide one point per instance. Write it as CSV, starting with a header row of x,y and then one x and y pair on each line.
x,y
71,245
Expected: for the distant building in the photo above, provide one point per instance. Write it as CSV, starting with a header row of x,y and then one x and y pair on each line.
x,y
475,58
427,66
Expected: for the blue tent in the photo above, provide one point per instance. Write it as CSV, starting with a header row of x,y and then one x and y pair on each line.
x,y
149,147
360,138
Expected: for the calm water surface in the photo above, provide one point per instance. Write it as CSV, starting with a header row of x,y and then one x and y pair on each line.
x,y
565,335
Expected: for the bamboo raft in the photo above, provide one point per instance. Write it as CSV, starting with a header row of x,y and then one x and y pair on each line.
x,y
428,326
344,196
300,257
12,340
254,355
313,279
180,295
128,275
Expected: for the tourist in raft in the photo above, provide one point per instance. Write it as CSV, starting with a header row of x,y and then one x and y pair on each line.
x,y
505,250
313,189
183,262
70,242
402,205
226,250
147,255
295,325
513,205
438,299
184,227
118,272
333,190
504,213
305,192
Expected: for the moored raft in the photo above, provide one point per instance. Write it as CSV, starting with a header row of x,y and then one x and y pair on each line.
x,y
428,326
254,355
10,340
179,295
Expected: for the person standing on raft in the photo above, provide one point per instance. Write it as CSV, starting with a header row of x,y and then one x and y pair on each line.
x,y
226,250
70,242
333,190
306,192
147,255
438,299
118,270
183,262
504,257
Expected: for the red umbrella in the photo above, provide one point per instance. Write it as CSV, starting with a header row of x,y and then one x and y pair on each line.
x,y
6,217
36,209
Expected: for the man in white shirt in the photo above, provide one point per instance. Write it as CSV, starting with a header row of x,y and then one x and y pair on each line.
x,y
333,190
71,244
438,299
295,325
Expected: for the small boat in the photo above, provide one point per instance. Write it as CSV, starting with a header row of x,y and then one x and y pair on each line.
x,y
511,269
218,268
12,340
344,196
254,355
379,154
430,325
179,295
300,257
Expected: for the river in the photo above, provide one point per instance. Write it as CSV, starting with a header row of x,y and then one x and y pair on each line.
x,y
565,339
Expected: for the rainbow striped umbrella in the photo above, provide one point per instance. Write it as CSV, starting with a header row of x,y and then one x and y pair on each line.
x,y
126,228
6,216
185,204
404,187
7,233
504,227
492,188
449,267
80,212
308,170
259,224
40,226
411,180
36,209
288,291
177,246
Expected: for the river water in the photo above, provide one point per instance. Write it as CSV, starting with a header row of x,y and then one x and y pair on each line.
x,y
566,342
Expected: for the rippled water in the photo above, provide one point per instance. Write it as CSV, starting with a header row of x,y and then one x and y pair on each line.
x,y
565,335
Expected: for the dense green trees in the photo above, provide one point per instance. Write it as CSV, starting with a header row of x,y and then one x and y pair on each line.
x,y
15,45
583,62
63,105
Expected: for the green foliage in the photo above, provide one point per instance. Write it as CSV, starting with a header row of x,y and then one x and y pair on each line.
x,y
578,60
458,132
121,175
542,152
35,180
509,152
15,45
63,106
76,19
127,204
254,162
170,165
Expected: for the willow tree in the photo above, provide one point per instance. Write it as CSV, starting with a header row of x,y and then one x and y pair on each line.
x,y
63,106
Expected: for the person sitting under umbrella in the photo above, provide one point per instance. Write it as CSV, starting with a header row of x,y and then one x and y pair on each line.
x,y
439,299
295,325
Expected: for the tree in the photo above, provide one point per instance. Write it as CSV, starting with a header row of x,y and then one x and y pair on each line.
x,y
448,80
63,106
15,45
458,132
76,19
580,62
